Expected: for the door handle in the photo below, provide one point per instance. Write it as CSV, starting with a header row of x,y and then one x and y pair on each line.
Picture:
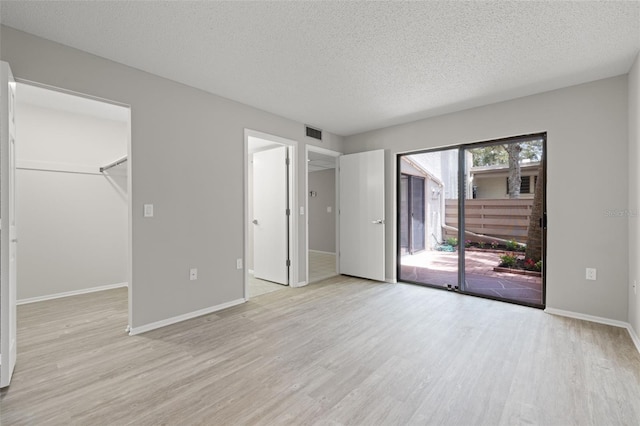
x,y
378,222
255,221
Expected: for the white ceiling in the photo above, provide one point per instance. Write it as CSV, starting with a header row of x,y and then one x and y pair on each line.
x,y
348,67
52,99
317,161
256,144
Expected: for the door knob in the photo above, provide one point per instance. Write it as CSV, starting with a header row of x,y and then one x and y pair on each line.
x,y
255,221
378,222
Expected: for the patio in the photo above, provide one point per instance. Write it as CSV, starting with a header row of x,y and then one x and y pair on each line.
x,y
441,269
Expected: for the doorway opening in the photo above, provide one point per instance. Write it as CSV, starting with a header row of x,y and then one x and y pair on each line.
x,y
72,195
322,213
270,222
472,219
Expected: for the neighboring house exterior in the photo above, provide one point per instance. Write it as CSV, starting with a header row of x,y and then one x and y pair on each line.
x,y
428,180
490,182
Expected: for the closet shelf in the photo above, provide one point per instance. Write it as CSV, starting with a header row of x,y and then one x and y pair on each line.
x,y
113,164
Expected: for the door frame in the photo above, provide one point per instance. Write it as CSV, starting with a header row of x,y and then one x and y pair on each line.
x,y
462,148
292,146
335,155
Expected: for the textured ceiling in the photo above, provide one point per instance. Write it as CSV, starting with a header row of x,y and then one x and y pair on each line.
x,y
348,67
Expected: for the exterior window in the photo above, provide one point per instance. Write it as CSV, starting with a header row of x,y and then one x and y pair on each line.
x,y
525,184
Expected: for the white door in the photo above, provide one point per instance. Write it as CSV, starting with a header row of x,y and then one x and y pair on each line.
x,y
271,215
362,221
8,237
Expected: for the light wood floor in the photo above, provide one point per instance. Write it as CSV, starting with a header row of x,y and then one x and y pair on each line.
x,y
321,266
259,287
342,351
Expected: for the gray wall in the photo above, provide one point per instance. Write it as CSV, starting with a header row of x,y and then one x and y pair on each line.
x,y
187,159
634,194
322,224
587,175
73,226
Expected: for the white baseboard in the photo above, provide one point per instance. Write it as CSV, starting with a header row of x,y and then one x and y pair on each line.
x,y
391,280
184,317
585,317
70,293
634,337
322,252
599,320
300,284
250,271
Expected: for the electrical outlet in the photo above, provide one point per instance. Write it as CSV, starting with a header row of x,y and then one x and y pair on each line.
x,y
591,274
193,274
238,263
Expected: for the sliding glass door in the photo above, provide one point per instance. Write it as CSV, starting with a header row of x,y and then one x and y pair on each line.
x,y
480,211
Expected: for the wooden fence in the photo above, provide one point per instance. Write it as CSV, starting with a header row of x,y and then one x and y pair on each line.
x,y
506,219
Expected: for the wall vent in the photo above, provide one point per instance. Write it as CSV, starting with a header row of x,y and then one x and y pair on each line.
x,y
314,133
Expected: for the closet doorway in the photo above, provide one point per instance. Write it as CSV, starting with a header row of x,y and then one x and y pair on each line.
x,y
72,195
322,213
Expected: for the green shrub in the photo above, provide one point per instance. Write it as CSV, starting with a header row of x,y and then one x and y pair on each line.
x,y
512,245
452,241
507,260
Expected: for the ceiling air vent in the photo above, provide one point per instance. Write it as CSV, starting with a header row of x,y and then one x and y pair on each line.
x,y
314,133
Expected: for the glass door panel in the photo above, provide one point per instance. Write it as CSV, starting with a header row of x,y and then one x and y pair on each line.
x,y
503,218
428,231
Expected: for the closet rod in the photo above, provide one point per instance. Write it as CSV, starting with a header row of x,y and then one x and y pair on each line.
x,y
115,163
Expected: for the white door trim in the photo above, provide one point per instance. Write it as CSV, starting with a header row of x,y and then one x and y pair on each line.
x,y
293,202
336,154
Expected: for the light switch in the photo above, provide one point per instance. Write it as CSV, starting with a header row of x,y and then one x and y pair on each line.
x,y
301,210
148,210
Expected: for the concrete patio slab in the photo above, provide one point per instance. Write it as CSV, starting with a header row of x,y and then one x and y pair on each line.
x,y
441,269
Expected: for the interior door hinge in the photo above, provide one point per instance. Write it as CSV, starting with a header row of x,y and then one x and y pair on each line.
x,y
288,263
286,161
288,212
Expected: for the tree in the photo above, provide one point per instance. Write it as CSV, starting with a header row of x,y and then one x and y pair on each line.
x,y
493,155
489,156
534,235
515,178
